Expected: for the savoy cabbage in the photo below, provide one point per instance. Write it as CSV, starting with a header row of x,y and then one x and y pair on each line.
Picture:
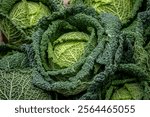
x,y
26,14
71,57
18,19
124,9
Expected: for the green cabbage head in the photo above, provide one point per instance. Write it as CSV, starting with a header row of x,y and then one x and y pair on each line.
x,y
130,91
68,48
19,18
124,9
27,13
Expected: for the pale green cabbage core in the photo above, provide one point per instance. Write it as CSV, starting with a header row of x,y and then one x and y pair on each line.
x,y
120,8
27,14
68,48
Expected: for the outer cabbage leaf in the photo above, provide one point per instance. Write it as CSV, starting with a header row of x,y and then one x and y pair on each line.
x,y
17,85
12,33
145,19
138,56
16,75
14,60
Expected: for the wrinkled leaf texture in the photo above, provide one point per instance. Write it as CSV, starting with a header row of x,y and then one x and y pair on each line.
x,y
16,77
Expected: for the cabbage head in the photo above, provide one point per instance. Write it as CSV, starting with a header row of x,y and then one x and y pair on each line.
x,y
129,91
27,13
75,52
124,9
19,18
68,48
